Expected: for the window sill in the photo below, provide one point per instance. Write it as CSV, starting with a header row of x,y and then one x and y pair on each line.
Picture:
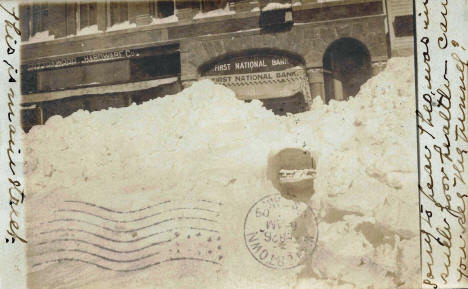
x,y
306,5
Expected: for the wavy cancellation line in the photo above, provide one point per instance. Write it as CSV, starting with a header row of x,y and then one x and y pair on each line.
x,y
133,220
64,240
127,270
99,256
126,241
130,230
117,211
134,211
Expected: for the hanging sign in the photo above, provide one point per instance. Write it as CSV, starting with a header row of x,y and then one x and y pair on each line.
x,y
263,85
250,64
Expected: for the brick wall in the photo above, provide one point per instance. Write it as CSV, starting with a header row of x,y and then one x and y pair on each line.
x,y
308,41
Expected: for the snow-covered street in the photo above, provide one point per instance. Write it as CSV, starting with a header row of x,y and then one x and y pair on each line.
x,y
205,144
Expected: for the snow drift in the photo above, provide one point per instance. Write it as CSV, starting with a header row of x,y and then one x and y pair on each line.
x,y
205,143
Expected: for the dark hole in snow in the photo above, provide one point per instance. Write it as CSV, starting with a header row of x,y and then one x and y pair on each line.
x,y
292,172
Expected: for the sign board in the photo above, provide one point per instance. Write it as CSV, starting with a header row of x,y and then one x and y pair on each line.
x,y
96,57
250,63
85,59
264,85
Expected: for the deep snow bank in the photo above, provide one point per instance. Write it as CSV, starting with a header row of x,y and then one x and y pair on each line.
x,y
203,142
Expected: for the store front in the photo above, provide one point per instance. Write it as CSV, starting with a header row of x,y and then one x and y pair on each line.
x,y
277,79
97,80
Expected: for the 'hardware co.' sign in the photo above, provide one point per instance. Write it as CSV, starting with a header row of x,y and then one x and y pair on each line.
x,y
85,59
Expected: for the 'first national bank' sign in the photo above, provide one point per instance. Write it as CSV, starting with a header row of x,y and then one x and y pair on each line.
x,y
249,64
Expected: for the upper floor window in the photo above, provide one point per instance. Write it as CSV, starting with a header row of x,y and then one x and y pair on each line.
x,y
194,4
87,15
208,5
162,8
118,12
39,18
403,25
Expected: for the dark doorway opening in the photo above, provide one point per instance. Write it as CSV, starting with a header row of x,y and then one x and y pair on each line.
x,y
283,105
346,66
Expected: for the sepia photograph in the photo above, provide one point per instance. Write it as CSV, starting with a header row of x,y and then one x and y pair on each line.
x,y
220,144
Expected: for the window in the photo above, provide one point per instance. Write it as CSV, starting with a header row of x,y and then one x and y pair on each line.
x,y
39,18
87,15
118,12
31,116
403,25
194,4
162,8
28,81
144,68
208,5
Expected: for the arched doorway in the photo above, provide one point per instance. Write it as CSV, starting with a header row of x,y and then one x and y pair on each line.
x,y
346,66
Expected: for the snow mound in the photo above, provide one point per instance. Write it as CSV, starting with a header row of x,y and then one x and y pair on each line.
x,y
204,141
168,19
40,37
274,6
87,30
214,13
122,25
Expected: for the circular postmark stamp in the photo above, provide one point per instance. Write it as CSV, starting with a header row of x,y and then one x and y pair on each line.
x,y
280,233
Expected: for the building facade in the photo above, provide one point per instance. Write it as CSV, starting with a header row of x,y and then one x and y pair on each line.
x,y
401,27
95,55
